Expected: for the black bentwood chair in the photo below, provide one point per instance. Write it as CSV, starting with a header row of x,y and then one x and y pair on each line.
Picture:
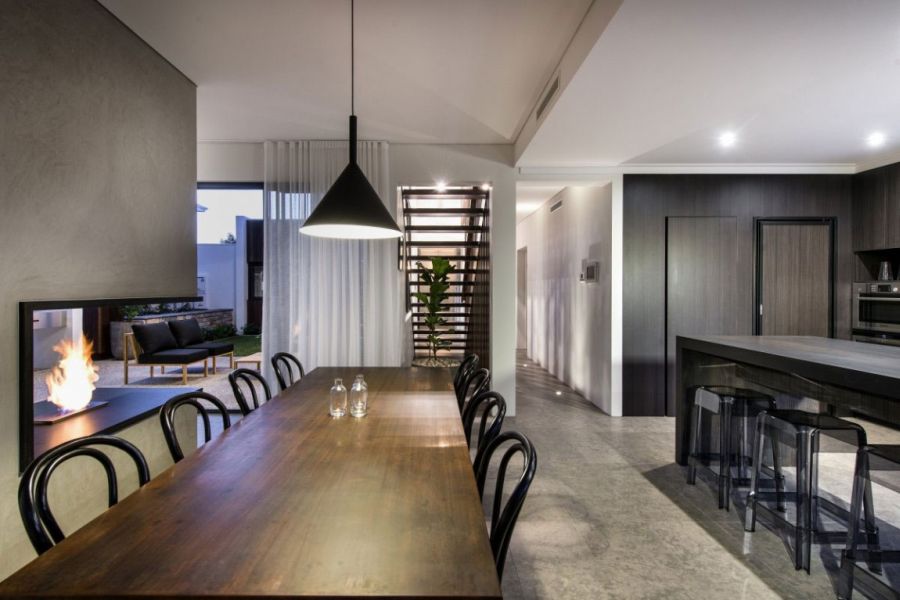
x,y
41,526
167,418
284,365
478,381
503,522
249,378
465,368
490,409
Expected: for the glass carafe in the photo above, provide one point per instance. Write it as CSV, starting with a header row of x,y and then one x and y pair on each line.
x,y
359,397
338,399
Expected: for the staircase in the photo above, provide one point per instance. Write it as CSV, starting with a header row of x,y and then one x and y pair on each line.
x,y
453,223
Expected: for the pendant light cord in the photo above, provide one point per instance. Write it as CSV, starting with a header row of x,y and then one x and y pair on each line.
x,y
352,62
352,87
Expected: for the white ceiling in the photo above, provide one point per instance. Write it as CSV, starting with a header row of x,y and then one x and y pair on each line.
x,y
466,71
800,81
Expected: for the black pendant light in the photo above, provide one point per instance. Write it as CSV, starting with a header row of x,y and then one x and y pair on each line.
x,y
351,209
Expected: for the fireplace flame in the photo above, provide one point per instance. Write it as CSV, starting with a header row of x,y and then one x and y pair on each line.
x,y
71,382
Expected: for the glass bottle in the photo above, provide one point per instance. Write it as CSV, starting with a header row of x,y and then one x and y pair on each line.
x,y
338,399
359,397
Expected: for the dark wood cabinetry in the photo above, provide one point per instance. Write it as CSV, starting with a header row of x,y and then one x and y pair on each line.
x,y
689,263
869,210
876,209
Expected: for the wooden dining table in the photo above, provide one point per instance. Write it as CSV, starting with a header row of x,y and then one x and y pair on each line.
x,y
292,503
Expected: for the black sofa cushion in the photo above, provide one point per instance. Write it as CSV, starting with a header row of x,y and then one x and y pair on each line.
x,y
154,337
177,356
187,332
214,348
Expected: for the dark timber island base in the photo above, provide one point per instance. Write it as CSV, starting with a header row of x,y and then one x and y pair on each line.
x,y
848,376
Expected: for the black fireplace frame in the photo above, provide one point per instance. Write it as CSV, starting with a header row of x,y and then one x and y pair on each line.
x,y
26,358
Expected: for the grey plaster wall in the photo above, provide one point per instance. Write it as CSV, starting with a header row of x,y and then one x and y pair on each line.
x,y
568,321
97,181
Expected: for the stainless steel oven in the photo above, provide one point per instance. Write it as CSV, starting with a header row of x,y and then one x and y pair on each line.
x,y
876,307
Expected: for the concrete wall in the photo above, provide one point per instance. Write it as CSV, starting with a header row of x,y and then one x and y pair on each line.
x,y
424,164
568,321
230,161
97,182
216,263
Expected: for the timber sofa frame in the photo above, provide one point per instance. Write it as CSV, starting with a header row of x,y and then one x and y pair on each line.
x,y
130,345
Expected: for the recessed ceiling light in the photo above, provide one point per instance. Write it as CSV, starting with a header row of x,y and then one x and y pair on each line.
x,y
875,139
727,139
441,186
558,393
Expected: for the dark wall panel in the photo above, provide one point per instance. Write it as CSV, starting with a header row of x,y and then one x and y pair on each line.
x,y
650,199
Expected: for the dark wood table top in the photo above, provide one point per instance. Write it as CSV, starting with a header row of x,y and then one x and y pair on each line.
x,y
291,503
870,368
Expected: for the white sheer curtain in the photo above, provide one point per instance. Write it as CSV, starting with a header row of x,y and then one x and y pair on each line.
x,y
329,302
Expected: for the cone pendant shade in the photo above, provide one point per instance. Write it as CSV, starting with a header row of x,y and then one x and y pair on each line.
x,y
351,210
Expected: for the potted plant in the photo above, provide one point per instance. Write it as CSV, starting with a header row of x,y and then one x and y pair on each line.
x,y
436,277
117,328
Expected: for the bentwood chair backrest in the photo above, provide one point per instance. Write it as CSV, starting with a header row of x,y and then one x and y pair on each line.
x,y
504,516
285,364
42,528
252,381
478,381
469,364
490,409
198,400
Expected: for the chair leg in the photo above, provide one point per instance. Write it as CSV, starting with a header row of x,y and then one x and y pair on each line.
x,y
231,360
183,374
151,371
126,368
162,370
758,445
214,363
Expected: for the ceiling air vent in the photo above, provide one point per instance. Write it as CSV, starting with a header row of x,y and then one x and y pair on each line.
x,y
552,88
556,206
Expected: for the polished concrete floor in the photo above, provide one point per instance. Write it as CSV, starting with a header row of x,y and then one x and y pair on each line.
x,y
609,514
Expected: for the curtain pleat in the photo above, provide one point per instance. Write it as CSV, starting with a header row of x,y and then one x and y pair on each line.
x,y
329,302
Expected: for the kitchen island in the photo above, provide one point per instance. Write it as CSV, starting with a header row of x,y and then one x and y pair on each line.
x,y
846,376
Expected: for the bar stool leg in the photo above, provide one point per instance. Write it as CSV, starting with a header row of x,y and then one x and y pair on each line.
x,y
758,446
695,445
845,579
872,538
814,483
804,494
725,454
779,476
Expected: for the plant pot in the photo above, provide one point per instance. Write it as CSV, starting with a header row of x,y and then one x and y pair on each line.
x,y
116,330
435,363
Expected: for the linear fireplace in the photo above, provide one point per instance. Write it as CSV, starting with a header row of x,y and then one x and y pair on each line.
x,y
64,392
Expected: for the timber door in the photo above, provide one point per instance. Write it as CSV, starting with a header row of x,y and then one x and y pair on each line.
x,y
795,277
